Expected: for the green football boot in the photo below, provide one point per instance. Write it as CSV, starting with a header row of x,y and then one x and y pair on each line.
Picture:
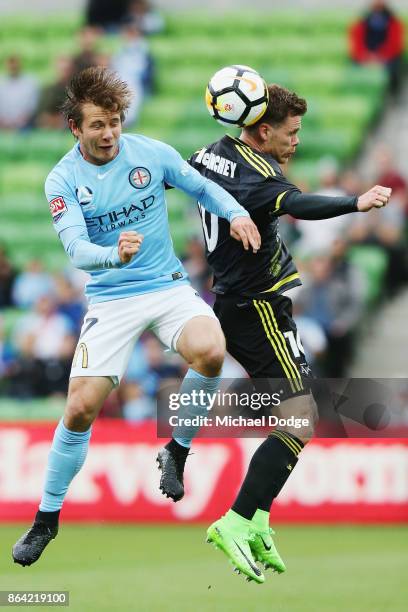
x,y
262,547
231,535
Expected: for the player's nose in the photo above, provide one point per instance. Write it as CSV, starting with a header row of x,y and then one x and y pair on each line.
x,y
107,134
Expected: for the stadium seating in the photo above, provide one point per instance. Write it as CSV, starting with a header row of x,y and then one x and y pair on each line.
x,y
372,262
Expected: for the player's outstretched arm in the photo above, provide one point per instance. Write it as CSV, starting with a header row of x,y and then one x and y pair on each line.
x,y
129,244
311,206
377,197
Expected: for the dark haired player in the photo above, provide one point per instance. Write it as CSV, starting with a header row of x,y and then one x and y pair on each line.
x,y
254,312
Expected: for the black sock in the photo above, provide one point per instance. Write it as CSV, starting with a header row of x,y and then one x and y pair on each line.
x,y
49,518
177,449
179,453
269,469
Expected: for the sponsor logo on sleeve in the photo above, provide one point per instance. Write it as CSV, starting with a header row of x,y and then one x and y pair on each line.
x,y
58,208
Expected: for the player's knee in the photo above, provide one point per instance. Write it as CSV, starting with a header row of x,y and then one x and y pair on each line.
x,y
304,412
209,356
309,419
306,433
80,412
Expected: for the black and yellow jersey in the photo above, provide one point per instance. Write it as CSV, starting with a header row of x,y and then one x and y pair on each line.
x,y
256,181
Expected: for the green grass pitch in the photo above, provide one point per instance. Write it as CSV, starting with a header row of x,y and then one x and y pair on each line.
x,y
170,568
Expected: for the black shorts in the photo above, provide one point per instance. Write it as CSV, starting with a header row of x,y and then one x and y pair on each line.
x,y
262,336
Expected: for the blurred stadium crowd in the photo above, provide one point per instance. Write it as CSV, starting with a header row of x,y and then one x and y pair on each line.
x,y
24,104
348,264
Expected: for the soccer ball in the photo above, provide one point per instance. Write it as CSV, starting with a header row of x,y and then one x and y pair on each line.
x,y
236,95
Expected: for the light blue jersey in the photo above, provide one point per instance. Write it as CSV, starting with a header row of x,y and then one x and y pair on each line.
x,y
91,205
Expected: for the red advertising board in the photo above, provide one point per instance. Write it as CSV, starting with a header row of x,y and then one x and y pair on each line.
x,y
348,480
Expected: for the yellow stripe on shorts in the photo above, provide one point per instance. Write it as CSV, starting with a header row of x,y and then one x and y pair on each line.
x,y
286,350
270,317
274,345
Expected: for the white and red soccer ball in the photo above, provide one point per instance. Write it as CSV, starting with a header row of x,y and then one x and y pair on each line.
x,y
236,96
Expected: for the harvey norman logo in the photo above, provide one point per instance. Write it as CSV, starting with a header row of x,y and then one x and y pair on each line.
x,y
344,473
122,471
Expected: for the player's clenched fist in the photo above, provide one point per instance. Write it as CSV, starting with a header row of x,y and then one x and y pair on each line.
x,y
377,197
245,230
128,245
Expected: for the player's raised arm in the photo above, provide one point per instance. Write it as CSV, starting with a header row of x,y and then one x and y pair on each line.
x,y
311,206
211,196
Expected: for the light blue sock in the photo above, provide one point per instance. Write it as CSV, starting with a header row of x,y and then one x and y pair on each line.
x,y
67,456
194,381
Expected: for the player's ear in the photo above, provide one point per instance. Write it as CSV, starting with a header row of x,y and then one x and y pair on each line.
x,y
263,131
73,127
